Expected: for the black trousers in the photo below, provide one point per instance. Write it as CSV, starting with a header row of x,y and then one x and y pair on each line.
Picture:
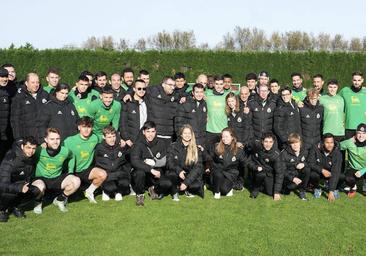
x,y
19,200
316,177
350,177
212,139
221,183
303,175
194,188
142,180
122,185
263,182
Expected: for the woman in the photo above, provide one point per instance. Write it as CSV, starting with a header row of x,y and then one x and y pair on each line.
x,y
226,158
184,163
58,113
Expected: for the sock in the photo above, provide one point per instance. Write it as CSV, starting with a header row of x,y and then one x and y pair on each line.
x,y
62,197
91,188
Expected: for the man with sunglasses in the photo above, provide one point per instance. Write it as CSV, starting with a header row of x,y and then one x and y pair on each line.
x,y
133,114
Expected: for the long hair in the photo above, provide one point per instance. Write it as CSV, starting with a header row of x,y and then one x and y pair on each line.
x,y
192,151
227,108
220,147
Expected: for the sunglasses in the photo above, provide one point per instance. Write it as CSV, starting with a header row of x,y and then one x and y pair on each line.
x,y
141,89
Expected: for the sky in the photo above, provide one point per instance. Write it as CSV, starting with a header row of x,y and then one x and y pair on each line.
x,y
54,24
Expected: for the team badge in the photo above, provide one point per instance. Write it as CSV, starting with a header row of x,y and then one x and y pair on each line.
x,y
72,112
4,100
44,101
269,110
266,160
318,115
119,153
172,99
19,90
233,159
256,155
204,109
318,160
239,120
176,157
158,155
220,157
330,163
303,158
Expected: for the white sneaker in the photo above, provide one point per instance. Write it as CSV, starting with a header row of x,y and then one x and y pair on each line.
x,y
132,192
230,193
38,209
60,204
118,197
189,195
90,197
105,197
175,197
217,195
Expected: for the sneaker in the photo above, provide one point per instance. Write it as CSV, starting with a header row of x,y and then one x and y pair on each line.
x,y
189,195
175,197
230,193
254,194
60,204
132,192
90,197
351,194
317,193
347,189
217,195
18,213
118,197
302,195
38,209
140,200
105,196
336,194
152,193
4,216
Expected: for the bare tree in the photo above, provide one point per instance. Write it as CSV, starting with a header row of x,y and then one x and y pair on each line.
x,y
123,45
276,42
107,43
242,37
162,41
92,43
141,45
338,43
355,44
324,42
228,42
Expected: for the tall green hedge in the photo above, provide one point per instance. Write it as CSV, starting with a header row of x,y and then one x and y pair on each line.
x,y
192,63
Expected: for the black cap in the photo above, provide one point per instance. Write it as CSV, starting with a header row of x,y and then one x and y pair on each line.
x,y
3,72
263,73
361,127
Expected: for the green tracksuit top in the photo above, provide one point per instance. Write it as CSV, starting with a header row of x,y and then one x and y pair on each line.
x,y
299,96
333,114
52,166
82,105
356,155
355,107
216,116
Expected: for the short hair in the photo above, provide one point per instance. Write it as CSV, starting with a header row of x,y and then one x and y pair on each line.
x,y
139,81
148,125
127,70
166,78
53,71
267,135
198,85
179,75
286,88
62,86
228,76
274,80
333,81
296,74
312,92
86,121
100,74
327,136
7,65
86,73
29,140
318,76
27,77
251,76
357,73
109,130
294,138
144,72
107,90
83,78
52,130
218,78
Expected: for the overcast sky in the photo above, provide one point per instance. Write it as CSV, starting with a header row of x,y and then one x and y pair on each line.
x,y
53,24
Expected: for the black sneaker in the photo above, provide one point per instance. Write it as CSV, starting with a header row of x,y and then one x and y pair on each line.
x,y
254,194
152,193
18,213
302,195
4,216
140,200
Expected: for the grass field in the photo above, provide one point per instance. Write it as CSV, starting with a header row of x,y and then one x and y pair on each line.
x,y
229,226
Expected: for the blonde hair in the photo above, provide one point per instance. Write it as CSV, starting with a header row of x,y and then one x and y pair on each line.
x,y
294,138
192,151
220,147
227,108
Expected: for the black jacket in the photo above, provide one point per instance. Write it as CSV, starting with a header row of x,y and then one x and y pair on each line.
x,y
6,94
196,116
181,92
241,123
58,114
24,112
311,123
332,162
140,152
262,115
290,161
161,109
286,120
16,170
176,158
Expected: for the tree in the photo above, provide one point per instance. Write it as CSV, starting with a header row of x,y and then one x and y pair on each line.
x,y
338,43
162,41
140,45
324,42
355,44
91,43
107,43
228,42
123,45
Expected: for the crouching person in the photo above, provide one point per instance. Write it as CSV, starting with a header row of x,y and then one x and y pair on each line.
x,y
148,159
266,166
184,163
16,174
54,170
226,158
111,157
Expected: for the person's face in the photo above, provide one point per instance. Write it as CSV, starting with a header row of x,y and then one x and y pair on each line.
x,y
357,81
296,81
145,78
82,86
244,94
313,100
274,87
329,144
263,92
110,139
268,143
107,99
251,84
90,79
140,89
169,86
198,93
318,83
180,82
361,136
186,135
332,89
128,78
149,134
231,102
286,96
85,131
62,94
4,80
12,74
210,83
101,81
226,138
29,149
53,79
219,85
227,83
263,80
116,82
202,80
53,140
32,84
296,146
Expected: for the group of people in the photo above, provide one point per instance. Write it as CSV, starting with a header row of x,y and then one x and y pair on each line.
x,y
122,136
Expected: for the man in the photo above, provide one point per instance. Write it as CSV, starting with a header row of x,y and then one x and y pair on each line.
x,y
325,161
11,71
210,82
354,103
100,81
89,75
318,83
148,158
263,78
228,81
298,91
127,79
333,121
16,174
244,95
181,87
251,82
25,107
133,114
82,145
274,88
118,91
52,78
55,165
145,76
202,79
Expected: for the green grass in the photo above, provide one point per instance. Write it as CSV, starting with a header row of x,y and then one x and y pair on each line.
x,y
229,226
